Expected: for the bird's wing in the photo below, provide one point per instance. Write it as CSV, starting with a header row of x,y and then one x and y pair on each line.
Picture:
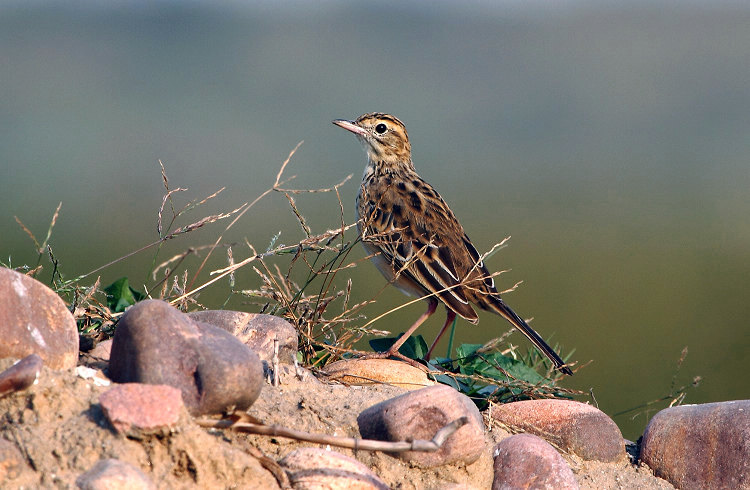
x,y
420,237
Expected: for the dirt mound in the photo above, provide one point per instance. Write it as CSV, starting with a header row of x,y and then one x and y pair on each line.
x,y
60,431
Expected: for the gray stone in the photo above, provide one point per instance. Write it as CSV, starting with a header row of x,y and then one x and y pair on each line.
x,y
313,468
528,461
700,446
256,331
35,320
113,474
572,426
157,344
420,414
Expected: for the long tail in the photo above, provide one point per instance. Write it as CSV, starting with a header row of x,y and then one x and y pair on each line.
x,y
496,305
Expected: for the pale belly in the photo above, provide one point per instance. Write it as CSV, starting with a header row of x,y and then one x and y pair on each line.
x,y
404,284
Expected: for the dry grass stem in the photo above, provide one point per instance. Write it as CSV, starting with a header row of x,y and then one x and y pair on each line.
x,y
28,232
302,289
164,199
240,212
675,396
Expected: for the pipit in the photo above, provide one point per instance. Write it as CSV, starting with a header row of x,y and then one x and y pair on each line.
x,y
415,240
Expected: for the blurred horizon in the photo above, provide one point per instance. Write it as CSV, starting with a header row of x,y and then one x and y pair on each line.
x,y
609,139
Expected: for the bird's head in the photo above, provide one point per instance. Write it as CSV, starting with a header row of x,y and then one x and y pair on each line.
x,y
383,138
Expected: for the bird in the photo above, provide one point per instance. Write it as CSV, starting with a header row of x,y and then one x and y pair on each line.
x,y
416,241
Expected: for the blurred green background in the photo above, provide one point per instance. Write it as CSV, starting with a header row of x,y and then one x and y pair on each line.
x,y
611,140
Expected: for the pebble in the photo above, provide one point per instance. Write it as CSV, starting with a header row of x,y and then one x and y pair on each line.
x,y
528,461
420,414
113,474
255,330
572,426
318,469
98,356
157,344
137,410
377,371
700,446
102,350
35,320
96,377
20,375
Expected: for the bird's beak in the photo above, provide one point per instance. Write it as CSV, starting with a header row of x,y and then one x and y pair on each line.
x,y
350,126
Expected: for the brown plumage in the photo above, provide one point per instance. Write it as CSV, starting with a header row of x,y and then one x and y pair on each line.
x,y
415,239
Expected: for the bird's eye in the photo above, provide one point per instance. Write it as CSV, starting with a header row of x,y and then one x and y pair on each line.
x,y
380,128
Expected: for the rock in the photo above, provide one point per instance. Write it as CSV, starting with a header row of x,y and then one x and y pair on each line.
x,y
94,375
700,446
572,426
377,371
98,357
35,320
138,410
85,343
113,474
12,463
289,373
317,469
102,350
157,344
528,461
256,331
20,375
419,415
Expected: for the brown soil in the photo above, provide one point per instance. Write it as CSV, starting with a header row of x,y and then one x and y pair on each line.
x,y
61,432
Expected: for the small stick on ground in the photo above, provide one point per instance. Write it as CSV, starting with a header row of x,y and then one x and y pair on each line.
x,y
346,442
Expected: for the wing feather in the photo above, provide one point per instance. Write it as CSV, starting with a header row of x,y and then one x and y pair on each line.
x,y
420,237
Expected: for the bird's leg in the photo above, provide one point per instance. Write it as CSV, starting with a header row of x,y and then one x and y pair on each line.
x,y
393,351
450,316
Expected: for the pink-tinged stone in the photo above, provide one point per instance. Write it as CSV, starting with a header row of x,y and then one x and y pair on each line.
x,y
255,330
156,343
313,468
528,461
420,414
113,474
102,350
572,426
700,446
35,320
20,375
137,409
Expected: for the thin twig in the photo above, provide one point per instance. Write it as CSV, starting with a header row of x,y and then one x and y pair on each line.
x,y
228,270
346,442
243,209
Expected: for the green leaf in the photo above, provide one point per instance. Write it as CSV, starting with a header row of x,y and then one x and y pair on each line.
x,y
450,381
414,348
120,295
467,350
487,364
